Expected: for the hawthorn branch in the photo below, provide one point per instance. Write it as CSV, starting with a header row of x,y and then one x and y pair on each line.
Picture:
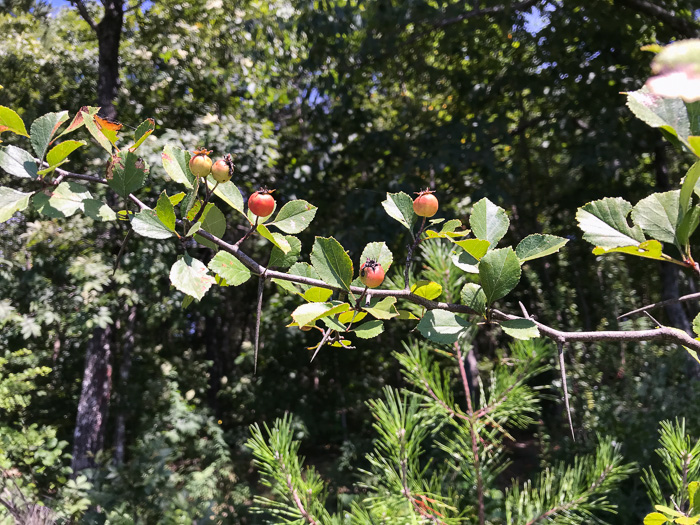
x,y
680,299
660,333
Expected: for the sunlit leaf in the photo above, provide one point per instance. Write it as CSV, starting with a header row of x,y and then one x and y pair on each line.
x,y
191,276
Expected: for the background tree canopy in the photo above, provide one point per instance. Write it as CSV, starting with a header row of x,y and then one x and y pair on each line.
x,y
119,405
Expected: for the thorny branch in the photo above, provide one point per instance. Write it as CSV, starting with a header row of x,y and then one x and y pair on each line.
x,y
660,333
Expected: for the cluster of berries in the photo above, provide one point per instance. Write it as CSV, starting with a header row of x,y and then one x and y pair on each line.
x,y
260,203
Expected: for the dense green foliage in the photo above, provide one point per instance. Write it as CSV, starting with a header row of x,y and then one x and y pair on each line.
x,y
339,103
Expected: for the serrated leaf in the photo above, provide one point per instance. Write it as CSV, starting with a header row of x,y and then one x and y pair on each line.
x,y
98,210
12,201
522,329
477,248
317,295
696,325
11,121
177,198
499,273
279,259
147,224
651,249
18,162
657,215
275,238
295,216
230,194
166,211
604,223
59,152
474,297
351,316
190,276
382,308
176,165
488,221
214,222
465,262
427,289
660,112
334,324
333,265
128,173
369,329
399,207
228,267
102,140
62,201
304,270
452,225
442,326
43,129
143,132
310,312
405,315
432,234
77,121
377,251
538,245
655,519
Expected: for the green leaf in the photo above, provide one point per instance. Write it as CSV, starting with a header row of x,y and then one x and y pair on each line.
x,y
352,315
102,140
651,249
333,265
177,198
275,238
166,211
523,329
465,262
499,272
194,229
382,308
228,267
689,185
317,295
399,206
488,221
668,114
687,520
230,194
427,289
62,201
334,324
12,201
59,152
295,216
143,132
655,519
377,251
477,248
279,259
452,225
696,325
304,270
668,510
369,329
98,210
43,129
309,312
190,276
693,485
11,121
128,173
688,225
604,223
214,222
18,162
657,215
538,245
147,224
176,164
474,297
77,121
442,326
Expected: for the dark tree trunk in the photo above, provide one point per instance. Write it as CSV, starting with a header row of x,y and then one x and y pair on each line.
x,y
127,347
93,407
109,32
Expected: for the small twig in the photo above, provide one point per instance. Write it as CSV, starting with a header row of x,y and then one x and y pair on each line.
x,y
562,368
409,255
688,297
248,233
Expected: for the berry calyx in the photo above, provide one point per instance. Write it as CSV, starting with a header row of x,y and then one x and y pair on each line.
x,y
371,273
426,204
222,170
261,203
200,163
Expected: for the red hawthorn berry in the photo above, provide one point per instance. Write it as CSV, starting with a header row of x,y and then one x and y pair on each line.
x,y
261,203
426,204
222,170
371,274
200,163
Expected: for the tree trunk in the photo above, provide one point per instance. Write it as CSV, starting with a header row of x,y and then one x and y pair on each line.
x,y
109,32
127,339
88,437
